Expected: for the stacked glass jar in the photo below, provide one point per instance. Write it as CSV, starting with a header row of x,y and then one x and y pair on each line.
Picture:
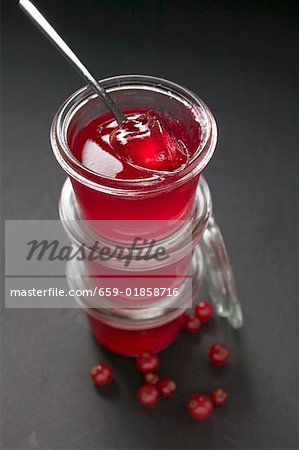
x,y
138,302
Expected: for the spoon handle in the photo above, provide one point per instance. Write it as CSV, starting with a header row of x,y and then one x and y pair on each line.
x,y
39,20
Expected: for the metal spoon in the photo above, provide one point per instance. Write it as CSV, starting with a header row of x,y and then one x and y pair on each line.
x,y
39,20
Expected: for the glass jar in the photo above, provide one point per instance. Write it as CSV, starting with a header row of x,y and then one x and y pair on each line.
x,y
129,329
161,198
125,325
112,273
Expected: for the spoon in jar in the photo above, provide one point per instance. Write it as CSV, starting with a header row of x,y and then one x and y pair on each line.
x,y
163,147
39,20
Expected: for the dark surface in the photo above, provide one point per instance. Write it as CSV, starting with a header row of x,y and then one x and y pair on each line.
x,y
242,59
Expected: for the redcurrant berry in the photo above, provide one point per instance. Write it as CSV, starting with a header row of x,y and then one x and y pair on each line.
x,y
167,387
191,324
219,354
151,378
203,311
147,362
148,395
200,407
218,396
101,374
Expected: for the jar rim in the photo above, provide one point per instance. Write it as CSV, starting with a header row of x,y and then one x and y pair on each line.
x,y
140,317
137,186
179,243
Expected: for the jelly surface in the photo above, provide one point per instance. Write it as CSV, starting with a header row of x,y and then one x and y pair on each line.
x,y
146,140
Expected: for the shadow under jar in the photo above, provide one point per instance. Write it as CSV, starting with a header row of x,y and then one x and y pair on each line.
x,y
153,196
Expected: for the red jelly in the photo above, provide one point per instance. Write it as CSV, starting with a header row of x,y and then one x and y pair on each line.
x,y
147,326
126,153
105,186
145,141
130,342
148,141
171,278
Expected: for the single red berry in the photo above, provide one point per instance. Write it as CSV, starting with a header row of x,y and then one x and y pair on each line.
x,y
191,324
218,396
148,395
147,362
203,311
151,378
219,354
200,407
167,387
101,374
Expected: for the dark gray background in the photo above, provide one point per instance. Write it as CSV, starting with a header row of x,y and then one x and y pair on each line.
x,y
242,59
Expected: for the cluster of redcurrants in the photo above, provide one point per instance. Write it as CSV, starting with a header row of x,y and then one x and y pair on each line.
x,y
203,312
153,388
